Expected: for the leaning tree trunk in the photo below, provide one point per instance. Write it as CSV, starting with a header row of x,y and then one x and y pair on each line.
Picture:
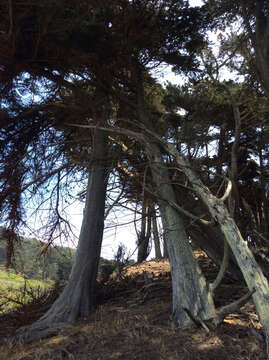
x,y
78,297
190,290
250,269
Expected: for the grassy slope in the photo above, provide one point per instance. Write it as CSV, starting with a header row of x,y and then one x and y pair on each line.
x,y
14,290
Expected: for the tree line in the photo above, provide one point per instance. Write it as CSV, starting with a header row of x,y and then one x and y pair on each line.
x,y
30,260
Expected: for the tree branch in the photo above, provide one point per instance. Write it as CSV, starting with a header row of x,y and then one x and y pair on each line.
x,y
223,268
45,176
227,191
228,309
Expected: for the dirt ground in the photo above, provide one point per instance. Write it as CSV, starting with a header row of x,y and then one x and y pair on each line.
x,y
134,323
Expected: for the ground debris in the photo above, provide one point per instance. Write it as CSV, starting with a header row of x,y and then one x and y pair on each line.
x,y
118,331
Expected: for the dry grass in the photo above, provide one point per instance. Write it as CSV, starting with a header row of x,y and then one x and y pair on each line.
x,y
123,330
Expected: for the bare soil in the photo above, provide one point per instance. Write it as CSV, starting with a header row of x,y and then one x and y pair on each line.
x,y
134,322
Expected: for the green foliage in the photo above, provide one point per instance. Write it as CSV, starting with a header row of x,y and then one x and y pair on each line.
x,y
29,261
15,291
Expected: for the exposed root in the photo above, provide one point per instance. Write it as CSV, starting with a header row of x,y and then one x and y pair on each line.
x,y
35,332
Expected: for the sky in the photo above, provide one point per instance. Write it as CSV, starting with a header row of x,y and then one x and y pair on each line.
x,y
196,2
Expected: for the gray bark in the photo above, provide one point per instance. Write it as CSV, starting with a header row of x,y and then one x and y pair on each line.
x,y
250,269
165,250
190,289
78,297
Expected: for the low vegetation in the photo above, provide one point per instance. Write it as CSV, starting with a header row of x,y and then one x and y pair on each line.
x,y
16,291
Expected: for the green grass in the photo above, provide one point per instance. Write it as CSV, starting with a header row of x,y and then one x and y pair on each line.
x,y
15,291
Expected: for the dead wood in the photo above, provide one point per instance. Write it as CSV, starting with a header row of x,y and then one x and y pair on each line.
x,y
234,306
223,268
221,314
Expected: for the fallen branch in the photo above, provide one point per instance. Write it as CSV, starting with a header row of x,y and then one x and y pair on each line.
x,y
221,314
228,309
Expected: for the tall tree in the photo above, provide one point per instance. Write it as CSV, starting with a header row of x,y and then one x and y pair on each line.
x,y
79,296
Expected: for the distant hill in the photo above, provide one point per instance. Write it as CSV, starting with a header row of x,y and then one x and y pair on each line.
x,y
29,261
55,263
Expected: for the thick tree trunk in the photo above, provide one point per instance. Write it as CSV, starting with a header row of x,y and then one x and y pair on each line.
x,y
78,297
190,290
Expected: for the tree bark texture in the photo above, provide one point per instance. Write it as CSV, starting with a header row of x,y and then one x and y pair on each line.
x,y
190,289
250,269
78,297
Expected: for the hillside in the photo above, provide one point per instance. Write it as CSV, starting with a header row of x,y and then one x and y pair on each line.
x,y
30,262
133,322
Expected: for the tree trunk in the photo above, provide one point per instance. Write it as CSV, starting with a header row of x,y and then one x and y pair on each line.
x,y
250,269
78,297
265,193
144,236
155,231
190,290
165,250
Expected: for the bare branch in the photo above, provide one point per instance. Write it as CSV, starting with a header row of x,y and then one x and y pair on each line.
x,y
113,204
228,309
45,176
223,268
227,191
193,319
188,214
115,130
